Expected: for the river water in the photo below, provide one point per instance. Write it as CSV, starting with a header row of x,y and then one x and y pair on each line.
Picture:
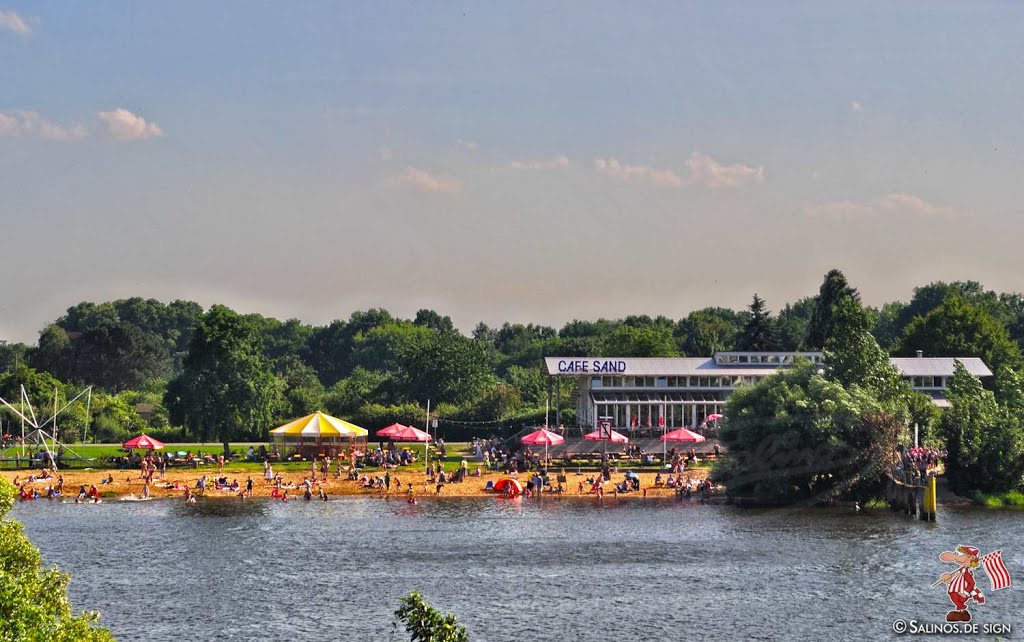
x,y
524,570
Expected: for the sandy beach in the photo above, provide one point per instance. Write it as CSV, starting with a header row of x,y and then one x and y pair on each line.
x,y
127,483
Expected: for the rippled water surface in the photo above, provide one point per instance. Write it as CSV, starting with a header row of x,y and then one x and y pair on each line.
x,y
512,569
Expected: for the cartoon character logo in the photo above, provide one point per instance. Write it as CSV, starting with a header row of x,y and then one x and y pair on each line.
x,y
960,585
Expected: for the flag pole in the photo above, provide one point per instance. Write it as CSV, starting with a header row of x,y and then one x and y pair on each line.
x,y
426,444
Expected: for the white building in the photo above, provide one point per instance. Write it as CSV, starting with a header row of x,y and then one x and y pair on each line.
x,y
641,394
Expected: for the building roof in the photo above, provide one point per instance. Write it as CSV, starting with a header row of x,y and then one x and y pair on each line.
x,y
938,366
654,366
706,366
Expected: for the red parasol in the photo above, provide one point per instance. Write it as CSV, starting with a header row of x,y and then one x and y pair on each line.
x,y
545,437
391,430
614,437
682,434
145,442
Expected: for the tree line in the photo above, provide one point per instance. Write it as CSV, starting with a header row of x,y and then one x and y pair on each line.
x,y
177,369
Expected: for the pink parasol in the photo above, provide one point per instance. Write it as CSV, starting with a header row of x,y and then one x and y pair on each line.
x,y
682,434
615,437
714,417
391,430
543,436
145,442
407,433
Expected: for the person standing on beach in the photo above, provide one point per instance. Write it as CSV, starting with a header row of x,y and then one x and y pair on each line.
x,y
248,486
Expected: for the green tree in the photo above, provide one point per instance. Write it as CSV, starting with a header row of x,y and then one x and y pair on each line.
x,y
984,442
759,331
303,392
446,367
34,605
430,319
797,436
116,356
792,324
359,388
956,328
11,354
888,327
853,357
424,623
833,289
226,390
705,332
646,341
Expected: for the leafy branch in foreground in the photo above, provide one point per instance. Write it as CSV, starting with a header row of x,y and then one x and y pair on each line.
x,y
34,602
426,624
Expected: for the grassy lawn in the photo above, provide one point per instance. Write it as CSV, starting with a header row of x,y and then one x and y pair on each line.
x,y
455,453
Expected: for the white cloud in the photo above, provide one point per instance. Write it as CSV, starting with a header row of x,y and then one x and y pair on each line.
x,y
30,123
540,165
707,172
615,169
856,106
467,144
13,22
122,124
893,204
427,182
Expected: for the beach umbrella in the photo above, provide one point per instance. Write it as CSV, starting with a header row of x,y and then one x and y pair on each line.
x,y
714,417
545,437
407,433
145,442
612,436
390,430
506,482
683,435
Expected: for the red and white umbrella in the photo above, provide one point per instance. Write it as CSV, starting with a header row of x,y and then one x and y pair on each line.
x,y
612,436
398,432
683,435
390,430
545,437
714,417
145,442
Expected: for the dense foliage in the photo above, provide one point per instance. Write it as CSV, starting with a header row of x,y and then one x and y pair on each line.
x,y
151,372
34,604
424,623
810,435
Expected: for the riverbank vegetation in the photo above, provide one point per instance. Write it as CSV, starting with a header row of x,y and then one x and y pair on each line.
x,y
34,604
184,373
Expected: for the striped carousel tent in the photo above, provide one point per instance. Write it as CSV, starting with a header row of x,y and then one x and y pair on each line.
x,y
319,433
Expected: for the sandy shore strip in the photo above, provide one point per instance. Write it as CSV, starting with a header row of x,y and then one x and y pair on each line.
x,y
127,483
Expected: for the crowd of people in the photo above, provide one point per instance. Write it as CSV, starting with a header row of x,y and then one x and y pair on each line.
x,y
917,461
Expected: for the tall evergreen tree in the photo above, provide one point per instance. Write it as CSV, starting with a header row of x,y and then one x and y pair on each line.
x,y
833,288
759,331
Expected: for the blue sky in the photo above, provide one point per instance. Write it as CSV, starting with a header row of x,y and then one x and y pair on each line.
x,y
503,161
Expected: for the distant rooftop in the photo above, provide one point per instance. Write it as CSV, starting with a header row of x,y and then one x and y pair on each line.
x,y
746,363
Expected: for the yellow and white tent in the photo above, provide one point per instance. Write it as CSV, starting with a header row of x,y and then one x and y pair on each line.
x,y
317,426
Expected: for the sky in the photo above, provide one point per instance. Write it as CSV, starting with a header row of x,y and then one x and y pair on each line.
x,y
524,162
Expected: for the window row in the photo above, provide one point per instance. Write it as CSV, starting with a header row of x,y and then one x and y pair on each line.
x,y
673,382
770,359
